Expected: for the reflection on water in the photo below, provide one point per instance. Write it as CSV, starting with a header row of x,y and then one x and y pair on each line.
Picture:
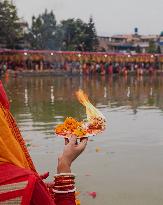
x,y
131,148
48,99
40,103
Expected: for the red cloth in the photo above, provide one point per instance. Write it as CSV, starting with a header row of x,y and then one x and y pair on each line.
x,y
110,69
3,97
35,193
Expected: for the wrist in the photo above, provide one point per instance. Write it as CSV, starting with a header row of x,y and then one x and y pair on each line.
x,y
63,166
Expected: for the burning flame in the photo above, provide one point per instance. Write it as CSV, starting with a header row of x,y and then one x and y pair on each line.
x,y
91,111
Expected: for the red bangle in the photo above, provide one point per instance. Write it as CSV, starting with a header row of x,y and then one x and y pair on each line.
x,y
63,183
64,187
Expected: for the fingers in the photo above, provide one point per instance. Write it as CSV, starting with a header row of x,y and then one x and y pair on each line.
x,y
82,145
73,140
83,138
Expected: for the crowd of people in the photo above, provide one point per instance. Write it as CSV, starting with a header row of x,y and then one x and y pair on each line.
x,y
85,68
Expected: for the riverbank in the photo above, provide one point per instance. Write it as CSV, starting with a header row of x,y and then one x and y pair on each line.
x,y
31,73
59,72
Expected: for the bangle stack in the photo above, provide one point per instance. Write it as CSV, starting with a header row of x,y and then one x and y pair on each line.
x,y
64,183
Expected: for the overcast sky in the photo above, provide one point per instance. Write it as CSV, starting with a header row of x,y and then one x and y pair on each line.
x,y
110,16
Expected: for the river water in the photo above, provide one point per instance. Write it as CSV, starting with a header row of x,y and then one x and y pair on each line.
x,y
123,165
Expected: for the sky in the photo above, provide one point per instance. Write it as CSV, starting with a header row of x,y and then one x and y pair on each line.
x,y
110,16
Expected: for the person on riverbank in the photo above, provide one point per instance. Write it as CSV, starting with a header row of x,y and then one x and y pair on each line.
x,y
19,181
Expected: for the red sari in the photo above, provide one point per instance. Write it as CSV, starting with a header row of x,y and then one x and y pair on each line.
x,y
3,97
22,186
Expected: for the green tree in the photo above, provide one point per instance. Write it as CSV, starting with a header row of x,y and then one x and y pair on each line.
x,y
10,28
91,41
58,39
152,47
138,49
42,32
158,49
73,34
78,35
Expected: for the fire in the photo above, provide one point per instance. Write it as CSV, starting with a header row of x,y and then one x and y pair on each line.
x,y
94,124
91,111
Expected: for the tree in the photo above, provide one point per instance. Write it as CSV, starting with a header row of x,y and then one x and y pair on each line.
x,y
138,49
42,32
158,50
73,34
10,28
152,47
78,35
91,41
58,38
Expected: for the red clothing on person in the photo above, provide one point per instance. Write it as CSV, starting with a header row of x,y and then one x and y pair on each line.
x,y
110,70
26,188
3,97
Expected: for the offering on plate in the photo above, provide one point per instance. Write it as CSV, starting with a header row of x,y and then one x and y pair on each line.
x,y
94,124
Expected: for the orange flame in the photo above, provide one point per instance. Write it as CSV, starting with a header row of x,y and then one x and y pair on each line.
x,y
91,111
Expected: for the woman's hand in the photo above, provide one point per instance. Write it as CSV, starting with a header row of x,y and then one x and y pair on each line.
x,y
71,151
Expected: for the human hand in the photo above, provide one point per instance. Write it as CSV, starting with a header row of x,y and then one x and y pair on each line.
x,y
71,151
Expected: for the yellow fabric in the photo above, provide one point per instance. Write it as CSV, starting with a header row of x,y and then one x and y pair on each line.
x,y
10,149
